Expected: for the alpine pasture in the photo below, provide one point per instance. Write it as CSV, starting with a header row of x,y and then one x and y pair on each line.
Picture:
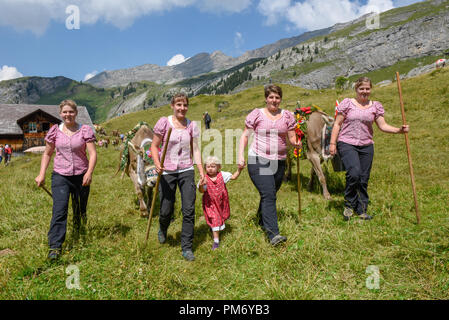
x,y
324,256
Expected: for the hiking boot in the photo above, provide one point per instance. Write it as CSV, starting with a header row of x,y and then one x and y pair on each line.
x,y
347,213
188,255
277,240
365,216
54,254
162,236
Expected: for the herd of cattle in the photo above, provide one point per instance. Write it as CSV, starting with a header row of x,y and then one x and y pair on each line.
x,y
105,141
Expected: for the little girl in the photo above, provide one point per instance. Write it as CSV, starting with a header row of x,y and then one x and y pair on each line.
x,y
215,196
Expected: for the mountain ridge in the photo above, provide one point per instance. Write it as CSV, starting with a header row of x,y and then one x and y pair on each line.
x,y
408,37
197,65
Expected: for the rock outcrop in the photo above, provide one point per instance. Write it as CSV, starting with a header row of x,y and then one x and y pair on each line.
x,y
357,50
29,90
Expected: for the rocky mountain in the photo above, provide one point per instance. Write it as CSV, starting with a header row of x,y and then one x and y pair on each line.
x,y
312,60
404,34
29,90
199,64
408,39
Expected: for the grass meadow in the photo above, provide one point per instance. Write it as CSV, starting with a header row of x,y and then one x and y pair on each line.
x,y
323,258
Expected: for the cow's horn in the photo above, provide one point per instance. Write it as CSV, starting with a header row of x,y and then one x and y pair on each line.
x,y
134,148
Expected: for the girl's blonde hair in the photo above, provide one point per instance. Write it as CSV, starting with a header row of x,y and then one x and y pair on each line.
x,y
179,96
70,103
214,160
362,80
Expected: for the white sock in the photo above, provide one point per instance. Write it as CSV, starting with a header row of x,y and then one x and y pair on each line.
x,y
216,240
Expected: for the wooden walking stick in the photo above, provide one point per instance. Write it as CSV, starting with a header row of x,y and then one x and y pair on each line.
x,y
298,178
46,190
407,143
153,201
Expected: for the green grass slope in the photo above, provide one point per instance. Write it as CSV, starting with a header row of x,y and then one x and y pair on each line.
x,y
324,257
100,101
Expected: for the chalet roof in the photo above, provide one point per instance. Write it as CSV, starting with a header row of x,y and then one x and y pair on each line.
x,y
10,113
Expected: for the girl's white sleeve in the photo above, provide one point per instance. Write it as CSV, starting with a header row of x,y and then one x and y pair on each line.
x,y
226,176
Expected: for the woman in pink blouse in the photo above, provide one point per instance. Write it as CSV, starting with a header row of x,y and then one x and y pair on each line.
x,y
272,127
178,170
352,136
72,173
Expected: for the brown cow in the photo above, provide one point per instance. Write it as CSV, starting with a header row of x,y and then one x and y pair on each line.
x,y
143,175
317,121
99,129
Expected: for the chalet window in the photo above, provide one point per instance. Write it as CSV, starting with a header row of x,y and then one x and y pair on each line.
x,y
45,126
32,128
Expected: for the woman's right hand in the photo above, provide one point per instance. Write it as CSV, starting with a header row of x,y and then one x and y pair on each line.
x,y
40,180
159,169
333,149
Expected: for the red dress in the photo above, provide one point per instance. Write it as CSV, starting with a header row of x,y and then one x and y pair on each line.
x,y
216,203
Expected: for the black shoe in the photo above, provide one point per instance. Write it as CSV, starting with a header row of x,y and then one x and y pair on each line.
x,y
365,216
188,255
277,240
162,236
54,254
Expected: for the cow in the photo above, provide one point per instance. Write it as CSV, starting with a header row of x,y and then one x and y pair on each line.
x,y
99,129
441,63
317,122
134,163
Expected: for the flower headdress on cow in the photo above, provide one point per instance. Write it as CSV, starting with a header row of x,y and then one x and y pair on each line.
x,y
302,115
129,136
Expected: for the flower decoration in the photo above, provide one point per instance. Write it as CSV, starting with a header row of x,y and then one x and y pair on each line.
x,y
302,115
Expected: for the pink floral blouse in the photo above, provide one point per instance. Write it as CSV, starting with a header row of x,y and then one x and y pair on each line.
x,y
357,127
178,149
71,158
270,139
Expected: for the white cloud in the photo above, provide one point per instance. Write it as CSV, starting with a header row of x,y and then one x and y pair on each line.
x,y
35,15
8,73
177,59
317,14
273,9
238,40
90,75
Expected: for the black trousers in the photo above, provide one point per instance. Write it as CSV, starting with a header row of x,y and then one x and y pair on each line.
x,y
357,161
167,193
267,176
62,188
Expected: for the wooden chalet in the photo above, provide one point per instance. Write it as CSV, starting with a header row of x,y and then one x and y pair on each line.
x,y
24,125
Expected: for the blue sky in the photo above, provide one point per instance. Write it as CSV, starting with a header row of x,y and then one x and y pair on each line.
x,y
115,34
